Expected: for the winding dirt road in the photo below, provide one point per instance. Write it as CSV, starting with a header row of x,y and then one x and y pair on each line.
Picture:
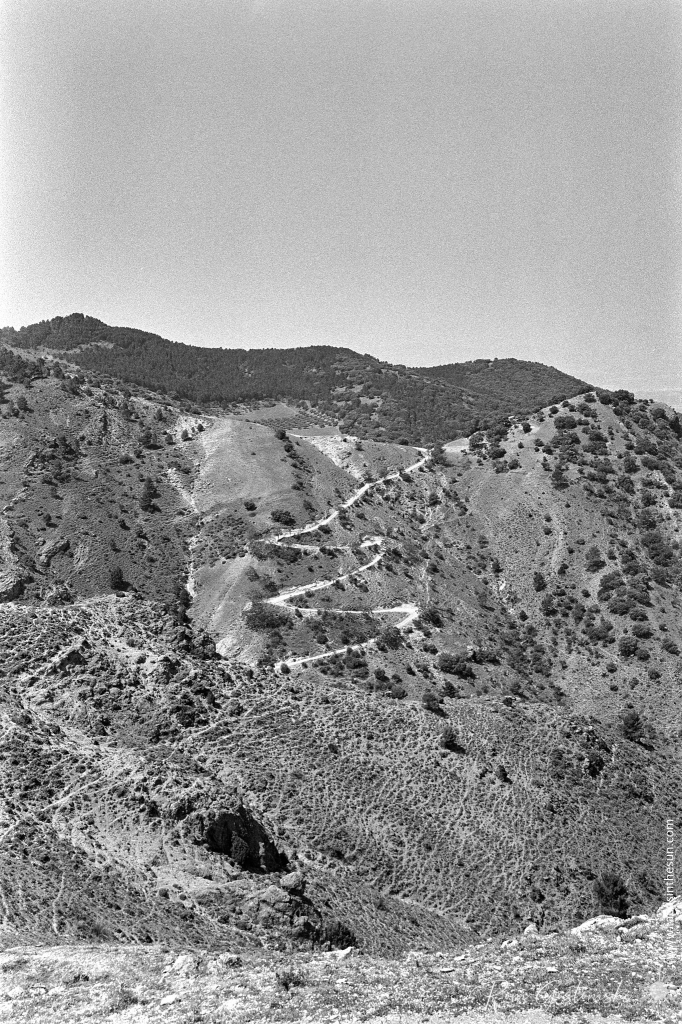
x,y
410,611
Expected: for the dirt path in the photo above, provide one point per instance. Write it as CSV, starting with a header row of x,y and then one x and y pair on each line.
x,y
409,610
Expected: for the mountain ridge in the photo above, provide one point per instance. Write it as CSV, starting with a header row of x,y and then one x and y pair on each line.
x,y
364,395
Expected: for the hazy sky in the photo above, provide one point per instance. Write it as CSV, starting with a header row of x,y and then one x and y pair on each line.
x,y
425,181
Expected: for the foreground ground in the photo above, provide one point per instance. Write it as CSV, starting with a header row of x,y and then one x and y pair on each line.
x,y
629,973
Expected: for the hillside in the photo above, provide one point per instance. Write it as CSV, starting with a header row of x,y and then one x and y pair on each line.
x,y
364,396
604,971
290,689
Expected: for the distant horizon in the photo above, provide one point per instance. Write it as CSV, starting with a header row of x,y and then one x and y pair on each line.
x,y
641,389
425,182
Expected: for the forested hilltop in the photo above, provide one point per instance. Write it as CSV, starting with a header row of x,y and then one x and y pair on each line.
x,y
369,398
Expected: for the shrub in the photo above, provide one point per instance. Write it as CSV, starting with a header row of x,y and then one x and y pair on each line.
x,y
558,478
598,631
594,560
627,646
539,581
670,646
449,740
612,894
431,703
431,616
456,665
116,580
595,763
261,616
289,978
391,637
608,583
632,727
280,515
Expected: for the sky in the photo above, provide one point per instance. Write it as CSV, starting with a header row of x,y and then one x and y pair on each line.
x,y
424,181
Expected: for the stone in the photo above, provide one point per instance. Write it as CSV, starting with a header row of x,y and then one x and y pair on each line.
x,y
11,586
658,990
294,883
673,908
531,929
602,923
275,897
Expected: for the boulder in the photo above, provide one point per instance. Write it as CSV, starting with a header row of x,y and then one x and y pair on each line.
x,y
275,897
673,908
294,883
52,548
603,923
11,586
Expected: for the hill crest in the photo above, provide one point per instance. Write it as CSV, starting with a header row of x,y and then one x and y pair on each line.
x,y
361,394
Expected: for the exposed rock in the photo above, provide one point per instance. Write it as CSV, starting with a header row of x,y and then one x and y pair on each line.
x,y
294,883
11,586
602,923
51,549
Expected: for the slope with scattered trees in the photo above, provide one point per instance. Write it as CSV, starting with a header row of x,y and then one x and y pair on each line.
x,y
368,398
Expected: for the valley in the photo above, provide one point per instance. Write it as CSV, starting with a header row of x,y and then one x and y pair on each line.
x,y
275,689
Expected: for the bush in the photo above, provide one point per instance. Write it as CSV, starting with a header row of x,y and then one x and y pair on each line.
x,y
627,646
391,637
539,582
456,665
670,646
289,978
431,703
612,894
594,560
449,740
280,515
431,616
598,631
261,616
116,579
632,727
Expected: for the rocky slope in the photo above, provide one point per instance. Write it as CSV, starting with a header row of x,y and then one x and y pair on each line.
x,y
489,733
605,970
